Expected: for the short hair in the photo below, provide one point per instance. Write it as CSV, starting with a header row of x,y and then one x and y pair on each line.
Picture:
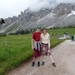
x,y
44,29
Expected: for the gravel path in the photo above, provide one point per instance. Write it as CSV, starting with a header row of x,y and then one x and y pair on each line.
x,y
64,56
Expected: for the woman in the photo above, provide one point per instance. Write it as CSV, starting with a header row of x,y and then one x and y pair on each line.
x,y
45,38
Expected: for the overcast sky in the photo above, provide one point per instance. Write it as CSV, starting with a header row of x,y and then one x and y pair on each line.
x,y
9,8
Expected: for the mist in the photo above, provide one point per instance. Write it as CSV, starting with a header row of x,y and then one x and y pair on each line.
x,y
39,4
10,8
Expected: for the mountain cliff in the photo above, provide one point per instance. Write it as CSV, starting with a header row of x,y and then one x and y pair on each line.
x,y
60,16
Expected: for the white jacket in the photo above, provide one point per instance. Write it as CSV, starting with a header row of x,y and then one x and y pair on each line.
x,y
45,38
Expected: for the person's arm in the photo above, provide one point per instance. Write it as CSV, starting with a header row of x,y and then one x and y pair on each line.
x,y
32,41
41,37
32,44
49,41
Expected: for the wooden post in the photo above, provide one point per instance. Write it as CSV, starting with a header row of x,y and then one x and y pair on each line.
x,y
5,43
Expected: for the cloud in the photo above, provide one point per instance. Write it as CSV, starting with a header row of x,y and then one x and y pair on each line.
x,y
42,4
65,1
9,8
12,8
38,4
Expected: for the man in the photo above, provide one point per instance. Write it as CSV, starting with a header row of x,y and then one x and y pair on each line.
x,y
36,46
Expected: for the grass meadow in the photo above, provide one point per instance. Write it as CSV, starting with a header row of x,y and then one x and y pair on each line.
x,y
17,48
70,31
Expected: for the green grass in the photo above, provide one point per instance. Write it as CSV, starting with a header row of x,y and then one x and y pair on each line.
x,y
71,31
18,48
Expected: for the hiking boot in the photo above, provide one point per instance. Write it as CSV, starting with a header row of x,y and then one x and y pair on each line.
x,y
43,63
33,63
54,64
38,64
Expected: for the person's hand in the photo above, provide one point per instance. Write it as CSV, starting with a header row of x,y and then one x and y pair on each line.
x,y
49,48
32,48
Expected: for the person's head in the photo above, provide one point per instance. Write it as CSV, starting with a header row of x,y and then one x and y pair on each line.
x,y
44,30
38,29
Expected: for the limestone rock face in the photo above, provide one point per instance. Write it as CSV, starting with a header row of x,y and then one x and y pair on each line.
x,y
60,16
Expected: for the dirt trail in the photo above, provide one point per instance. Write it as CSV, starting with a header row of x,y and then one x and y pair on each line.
x,y
64,56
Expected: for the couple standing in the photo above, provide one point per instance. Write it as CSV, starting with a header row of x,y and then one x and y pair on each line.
x,y
41,48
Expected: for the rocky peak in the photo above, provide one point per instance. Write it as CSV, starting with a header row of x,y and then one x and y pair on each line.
x,y
64,8
27,19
